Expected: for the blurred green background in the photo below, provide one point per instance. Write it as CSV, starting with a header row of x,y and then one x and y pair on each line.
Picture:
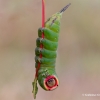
x,y
78,60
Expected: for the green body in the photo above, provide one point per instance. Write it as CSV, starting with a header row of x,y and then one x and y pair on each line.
x,y
45,65
49,51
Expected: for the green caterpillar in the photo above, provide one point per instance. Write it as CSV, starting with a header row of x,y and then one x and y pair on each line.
x,y
47,77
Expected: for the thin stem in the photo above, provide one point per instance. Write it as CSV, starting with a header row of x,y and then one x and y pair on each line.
x,y
43,25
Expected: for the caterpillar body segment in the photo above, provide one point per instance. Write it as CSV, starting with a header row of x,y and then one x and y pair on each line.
x,y
49,34
47,44
45,53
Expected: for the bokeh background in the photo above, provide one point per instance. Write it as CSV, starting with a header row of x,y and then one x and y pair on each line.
x,y
78,60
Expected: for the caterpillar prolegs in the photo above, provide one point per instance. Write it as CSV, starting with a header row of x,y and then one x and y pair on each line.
x,y
47,77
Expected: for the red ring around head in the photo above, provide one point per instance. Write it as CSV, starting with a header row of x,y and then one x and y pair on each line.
x,y
51,87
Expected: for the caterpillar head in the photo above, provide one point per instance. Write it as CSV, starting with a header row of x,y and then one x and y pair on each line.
x,y
48,80
51,82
